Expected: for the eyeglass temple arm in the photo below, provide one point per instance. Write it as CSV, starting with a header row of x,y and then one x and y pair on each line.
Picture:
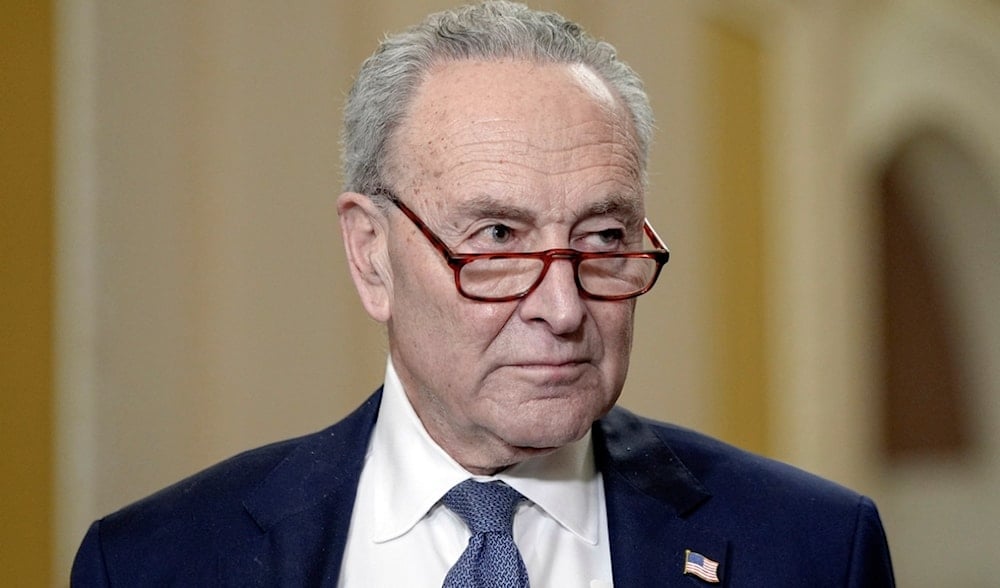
x,y
653,236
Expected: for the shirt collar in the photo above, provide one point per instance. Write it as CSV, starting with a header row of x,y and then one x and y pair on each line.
x,y
412,473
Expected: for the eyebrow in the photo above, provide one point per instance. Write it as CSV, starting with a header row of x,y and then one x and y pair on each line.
x,y
619,205
478,206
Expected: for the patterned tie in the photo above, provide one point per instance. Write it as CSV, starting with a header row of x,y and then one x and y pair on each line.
x,y
491,559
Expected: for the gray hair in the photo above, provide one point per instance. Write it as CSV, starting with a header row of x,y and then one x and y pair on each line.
x,y
493,30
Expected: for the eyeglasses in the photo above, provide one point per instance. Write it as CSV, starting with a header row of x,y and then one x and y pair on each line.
x,y
502,277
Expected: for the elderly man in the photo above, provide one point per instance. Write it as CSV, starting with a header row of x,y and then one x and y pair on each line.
x,y
494,222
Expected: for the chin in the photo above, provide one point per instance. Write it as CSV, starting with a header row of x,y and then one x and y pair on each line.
x,y
548,436
550,422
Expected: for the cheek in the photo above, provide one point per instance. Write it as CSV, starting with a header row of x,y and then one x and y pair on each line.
x,y
628,328
616,328
431,316
615,321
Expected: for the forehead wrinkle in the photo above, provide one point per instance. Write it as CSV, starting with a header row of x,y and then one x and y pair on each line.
x,y
485,159
526,150
542,136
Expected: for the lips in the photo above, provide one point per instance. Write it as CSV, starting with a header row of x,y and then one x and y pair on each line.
x,y
544,361
548,363
551,372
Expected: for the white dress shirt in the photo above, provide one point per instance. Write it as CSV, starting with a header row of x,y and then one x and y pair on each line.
x,y
400,535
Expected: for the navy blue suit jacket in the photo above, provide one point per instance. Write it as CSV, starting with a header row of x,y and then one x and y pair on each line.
x,y
279,515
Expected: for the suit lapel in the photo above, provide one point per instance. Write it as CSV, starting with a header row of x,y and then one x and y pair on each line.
x,y
650,494
304,507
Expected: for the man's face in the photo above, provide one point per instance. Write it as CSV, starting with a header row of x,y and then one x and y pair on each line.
x,y
510,156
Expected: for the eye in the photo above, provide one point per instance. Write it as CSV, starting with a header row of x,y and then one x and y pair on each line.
x,y
611,239
498,233
611,236
493,236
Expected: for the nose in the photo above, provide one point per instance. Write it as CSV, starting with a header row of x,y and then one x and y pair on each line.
x,y
556,301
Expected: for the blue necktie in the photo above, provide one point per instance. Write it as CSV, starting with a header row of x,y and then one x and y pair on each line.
x,y
491,559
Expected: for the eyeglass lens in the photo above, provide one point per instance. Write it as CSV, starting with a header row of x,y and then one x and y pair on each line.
x,y
505,277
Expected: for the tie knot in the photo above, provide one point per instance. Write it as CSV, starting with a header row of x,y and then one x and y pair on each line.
x,y
485,507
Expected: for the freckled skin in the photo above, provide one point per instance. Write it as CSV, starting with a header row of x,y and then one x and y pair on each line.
x,y
497,383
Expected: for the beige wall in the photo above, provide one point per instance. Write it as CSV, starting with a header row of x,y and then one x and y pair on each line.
x,y
919,66
203,306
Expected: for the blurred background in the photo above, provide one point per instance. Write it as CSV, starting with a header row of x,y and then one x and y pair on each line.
x,y
173,289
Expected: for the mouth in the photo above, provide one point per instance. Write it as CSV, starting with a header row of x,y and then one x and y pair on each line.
x,y
551,372
545,363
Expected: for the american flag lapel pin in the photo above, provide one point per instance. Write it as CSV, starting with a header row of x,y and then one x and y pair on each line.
x,y
700,566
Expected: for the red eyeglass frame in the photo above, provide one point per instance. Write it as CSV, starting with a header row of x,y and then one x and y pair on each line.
x,y
661,255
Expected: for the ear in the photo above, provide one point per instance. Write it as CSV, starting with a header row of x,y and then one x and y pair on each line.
x,y
362,225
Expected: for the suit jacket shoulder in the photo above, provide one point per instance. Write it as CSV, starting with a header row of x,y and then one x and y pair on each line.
x,y
227,524
671,490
